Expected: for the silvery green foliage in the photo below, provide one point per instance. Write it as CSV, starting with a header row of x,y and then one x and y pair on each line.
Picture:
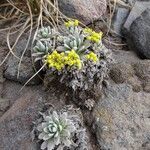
x,y
42,46
76,40
59,130
46,33
44,42
41,49
73,39
56,129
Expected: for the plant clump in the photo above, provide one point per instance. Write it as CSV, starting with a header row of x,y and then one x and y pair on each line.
x,y
61,129
77,56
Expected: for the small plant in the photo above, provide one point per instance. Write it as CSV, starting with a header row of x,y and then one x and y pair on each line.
x,y
76,56
59,130
56,129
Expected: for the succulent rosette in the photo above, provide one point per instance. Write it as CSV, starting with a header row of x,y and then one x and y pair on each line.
x,y
56,130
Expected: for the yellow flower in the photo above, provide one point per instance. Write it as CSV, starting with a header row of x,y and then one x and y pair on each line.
x,y
59,60
92,35
89,38
56,60
92,56
73,59
76,23
71,23
88,30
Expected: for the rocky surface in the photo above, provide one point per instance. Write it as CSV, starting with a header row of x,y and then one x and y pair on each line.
x,y
119,19
129,69
136,11
123,119
140,33
15,125
26,69
86,11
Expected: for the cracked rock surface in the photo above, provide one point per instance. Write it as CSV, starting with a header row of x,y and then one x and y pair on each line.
x,y
123,119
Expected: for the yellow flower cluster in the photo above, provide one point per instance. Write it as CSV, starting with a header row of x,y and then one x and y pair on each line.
x,y
59,60
88,30
92,56
73,59
92,35
71,23
56,60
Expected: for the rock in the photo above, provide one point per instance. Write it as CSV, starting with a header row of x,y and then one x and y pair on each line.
x,y
25,73
2,56
119,19
130,69
10,93
147,86
122,119
131,2
120,73
142,70
86,11
124,73
135,83
125,56
139,7
140,33
15,124
4,105
26,70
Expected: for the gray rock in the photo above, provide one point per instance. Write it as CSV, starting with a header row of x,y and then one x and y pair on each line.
x,y
125,56
136,84
142,71
26,70
86,11
125,73
4,105
120,73
15,124
119,19
131,2
147,86
140,33
132,70
122,119
139,7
